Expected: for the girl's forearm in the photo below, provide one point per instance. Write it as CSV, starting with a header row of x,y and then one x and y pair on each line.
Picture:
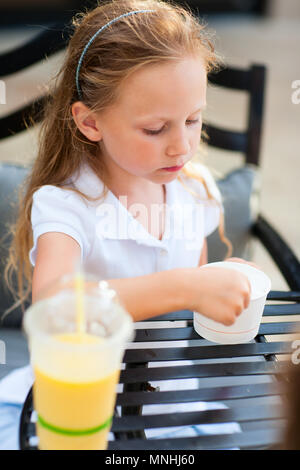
x,y
143,296
154,294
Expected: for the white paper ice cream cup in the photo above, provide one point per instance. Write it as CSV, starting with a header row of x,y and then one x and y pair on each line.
x,y
247,323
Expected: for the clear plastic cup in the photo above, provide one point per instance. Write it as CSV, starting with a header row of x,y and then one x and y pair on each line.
x,y
247,323
76,374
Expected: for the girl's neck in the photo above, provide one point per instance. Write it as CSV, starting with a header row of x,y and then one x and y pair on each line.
x,y
136,190
154,193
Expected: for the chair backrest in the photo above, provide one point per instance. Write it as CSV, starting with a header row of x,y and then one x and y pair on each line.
x,y
252,81
239,188
46,43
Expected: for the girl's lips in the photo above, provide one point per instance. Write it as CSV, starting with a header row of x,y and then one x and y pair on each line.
x,y
173,168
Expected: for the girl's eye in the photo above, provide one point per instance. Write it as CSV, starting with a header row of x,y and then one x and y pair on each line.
x,y
151,132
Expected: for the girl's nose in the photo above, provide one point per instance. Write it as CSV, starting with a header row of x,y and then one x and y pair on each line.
x,y
178,144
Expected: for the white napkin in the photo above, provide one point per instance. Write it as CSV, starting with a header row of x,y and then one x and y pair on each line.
x,y
15,386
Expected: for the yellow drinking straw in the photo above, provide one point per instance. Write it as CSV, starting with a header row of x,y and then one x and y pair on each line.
x,y
79,290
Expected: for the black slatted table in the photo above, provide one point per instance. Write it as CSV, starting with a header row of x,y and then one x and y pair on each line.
x,y
248,378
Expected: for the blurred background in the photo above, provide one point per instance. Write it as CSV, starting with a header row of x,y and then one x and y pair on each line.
x,y
248,31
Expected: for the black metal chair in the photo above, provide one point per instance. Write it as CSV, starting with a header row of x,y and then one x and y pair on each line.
x,y
251,80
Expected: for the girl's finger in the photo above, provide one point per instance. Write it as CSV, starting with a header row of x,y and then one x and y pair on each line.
x,y
240,260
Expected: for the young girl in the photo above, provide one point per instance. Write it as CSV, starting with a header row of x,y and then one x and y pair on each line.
x,y
113,181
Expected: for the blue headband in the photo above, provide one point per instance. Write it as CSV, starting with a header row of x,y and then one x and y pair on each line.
x,y
94,37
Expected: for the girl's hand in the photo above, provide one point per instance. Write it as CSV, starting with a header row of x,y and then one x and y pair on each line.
x,y
218,293
240,260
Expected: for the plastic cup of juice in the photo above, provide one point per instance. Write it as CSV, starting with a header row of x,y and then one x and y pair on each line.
x,y
246,326
76,371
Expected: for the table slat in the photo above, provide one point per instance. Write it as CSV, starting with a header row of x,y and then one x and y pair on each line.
x,y
205,394
246,440
238,414
188,333
206,352
203,371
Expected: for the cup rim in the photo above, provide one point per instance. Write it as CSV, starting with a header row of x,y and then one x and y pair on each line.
x,y
124,333
227,264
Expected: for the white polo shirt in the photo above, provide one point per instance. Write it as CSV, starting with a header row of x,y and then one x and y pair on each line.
x,y
113,243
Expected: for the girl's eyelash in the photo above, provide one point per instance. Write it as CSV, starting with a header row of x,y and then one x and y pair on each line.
x,y
150,132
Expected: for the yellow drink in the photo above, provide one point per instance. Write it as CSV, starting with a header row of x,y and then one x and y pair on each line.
x,y
76,373
74,414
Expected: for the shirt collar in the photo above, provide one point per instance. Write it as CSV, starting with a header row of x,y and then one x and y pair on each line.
x,y
122,224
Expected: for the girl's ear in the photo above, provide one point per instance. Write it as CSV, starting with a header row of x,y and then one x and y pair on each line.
x,y
86,121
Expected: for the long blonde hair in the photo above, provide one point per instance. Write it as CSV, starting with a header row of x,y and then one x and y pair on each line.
x,y
169,33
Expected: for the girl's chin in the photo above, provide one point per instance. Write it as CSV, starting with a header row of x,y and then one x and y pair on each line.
x,y
168,175
161,177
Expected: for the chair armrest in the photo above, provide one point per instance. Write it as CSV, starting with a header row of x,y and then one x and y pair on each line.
x,y
286,261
